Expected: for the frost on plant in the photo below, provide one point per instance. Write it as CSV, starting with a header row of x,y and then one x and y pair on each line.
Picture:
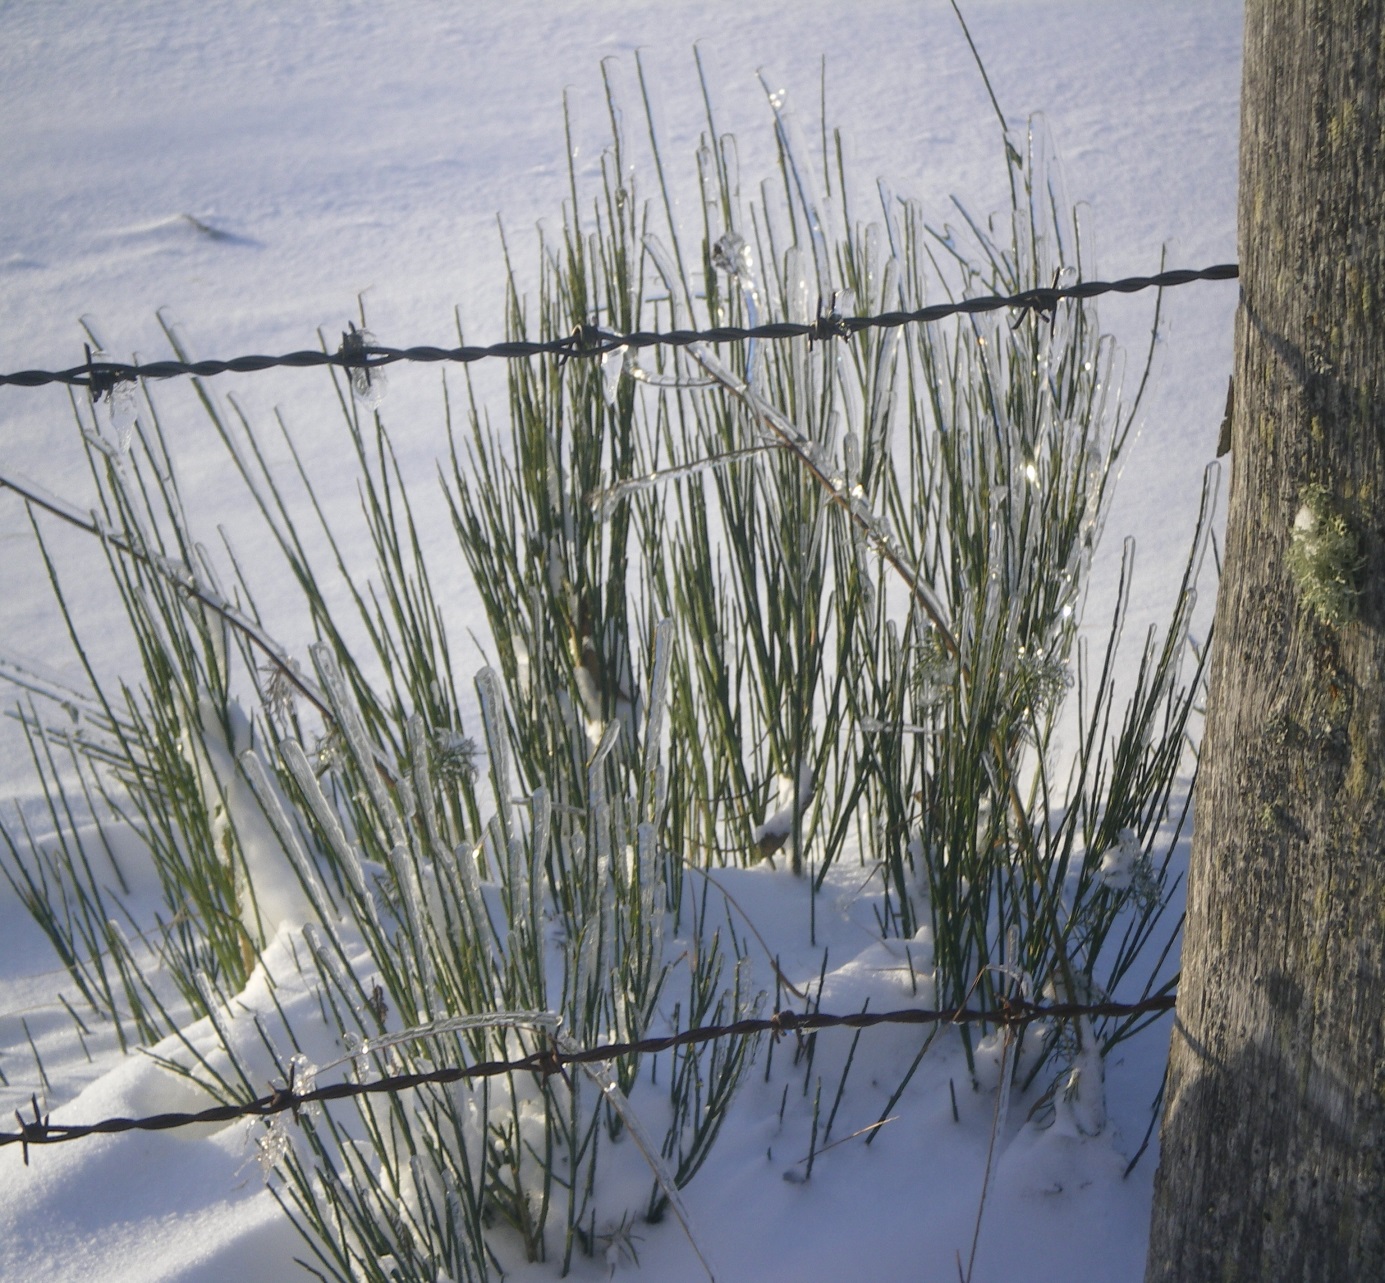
x,y
368,383
456,755
1122,864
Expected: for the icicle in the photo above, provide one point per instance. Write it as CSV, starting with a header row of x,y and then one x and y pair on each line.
x,y
877,429
733,256
851,455
517,877
406,879
658,697
347,857
122,408
268,798
423,783
709,182
596,784
488,689
541,805
211,1000
749,1001
651,889
349,722
272,1147
546,1020
612,367
667,267
607,500
795,155
330,963
731,162
799,305
304,1074
464,861
586,974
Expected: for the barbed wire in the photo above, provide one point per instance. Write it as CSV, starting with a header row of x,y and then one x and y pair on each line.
x,y
100,377
1011,1014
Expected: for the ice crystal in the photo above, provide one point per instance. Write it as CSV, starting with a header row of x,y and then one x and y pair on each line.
x,y
280,689
455,755
120,408
367,381
1044,681
272,1147
732,255
1126,867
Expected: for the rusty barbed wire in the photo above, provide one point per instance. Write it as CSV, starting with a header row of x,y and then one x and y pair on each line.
x,y
40,1131
100,377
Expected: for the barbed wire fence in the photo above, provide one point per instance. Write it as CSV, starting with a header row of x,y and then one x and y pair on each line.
x,y
100,377
553,1060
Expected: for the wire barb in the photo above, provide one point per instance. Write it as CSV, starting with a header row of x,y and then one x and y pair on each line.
x,y
102,377
585,340
354,353
831,324
282,1098
1042,304
34,1133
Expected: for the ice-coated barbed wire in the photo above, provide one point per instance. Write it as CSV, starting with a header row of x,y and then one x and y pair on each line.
x,y
102,377
41,1131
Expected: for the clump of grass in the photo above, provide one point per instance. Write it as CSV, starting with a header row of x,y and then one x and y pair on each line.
x,y
874,554
809,603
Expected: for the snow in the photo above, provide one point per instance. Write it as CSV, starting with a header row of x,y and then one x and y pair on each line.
x,y
246,170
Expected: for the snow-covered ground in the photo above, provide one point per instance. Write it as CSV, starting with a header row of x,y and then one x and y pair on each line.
x,y
349,149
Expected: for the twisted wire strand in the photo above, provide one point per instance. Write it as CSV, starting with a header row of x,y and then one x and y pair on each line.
x,y
590,341
40,1131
